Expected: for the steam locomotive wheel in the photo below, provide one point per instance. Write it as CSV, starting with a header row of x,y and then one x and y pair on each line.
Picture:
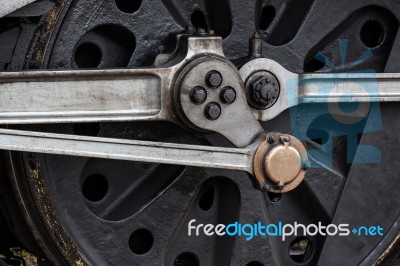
x,y
107,212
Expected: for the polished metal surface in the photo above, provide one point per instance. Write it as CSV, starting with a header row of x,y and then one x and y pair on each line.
x,y
84,96
145,94
349,87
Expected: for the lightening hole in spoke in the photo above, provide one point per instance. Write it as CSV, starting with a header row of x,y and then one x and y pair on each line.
x,y
186,259
95,187
141,241
254,263
207,198
198,20
372,33
300,250
314,65
318,136
274,197
128,6
89,129
88,55
266,18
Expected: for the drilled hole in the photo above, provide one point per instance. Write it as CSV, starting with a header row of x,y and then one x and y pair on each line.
x,y
95,187
141,241
128,6
91,129
274,197
314,65
372,33
198,20
254,263
266,18
207,198
88,55
186,259
300,250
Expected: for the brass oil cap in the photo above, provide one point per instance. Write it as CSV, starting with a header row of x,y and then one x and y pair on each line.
x,y
278,163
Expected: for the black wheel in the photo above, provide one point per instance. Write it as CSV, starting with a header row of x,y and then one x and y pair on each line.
x,y
105,212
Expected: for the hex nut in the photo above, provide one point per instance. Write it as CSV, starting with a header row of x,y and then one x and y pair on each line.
x,y
228,95
213,79
212,111
198,95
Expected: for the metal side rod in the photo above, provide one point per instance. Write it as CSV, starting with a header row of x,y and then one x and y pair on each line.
x,y
349,87
319,88
36,97
7,6
130,150
84,96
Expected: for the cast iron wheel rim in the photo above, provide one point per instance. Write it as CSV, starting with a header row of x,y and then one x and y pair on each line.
x,y
82,233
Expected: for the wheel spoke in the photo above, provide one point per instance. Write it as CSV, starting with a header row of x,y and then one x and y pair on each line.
x,y
365,192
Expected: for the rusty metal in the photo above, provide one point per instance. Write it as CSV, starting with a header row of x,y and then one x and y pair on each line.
x,y
255,46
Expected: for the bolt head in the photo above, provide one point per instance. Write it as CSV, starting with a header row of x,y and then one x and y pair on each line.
x,y
212,111
271,139
198,95
201,31
228,95
190,29
266,187
263,91
213,79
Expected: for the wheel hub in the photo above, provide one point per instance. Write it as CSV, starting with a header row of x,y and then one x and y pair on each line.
x,y
279,163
